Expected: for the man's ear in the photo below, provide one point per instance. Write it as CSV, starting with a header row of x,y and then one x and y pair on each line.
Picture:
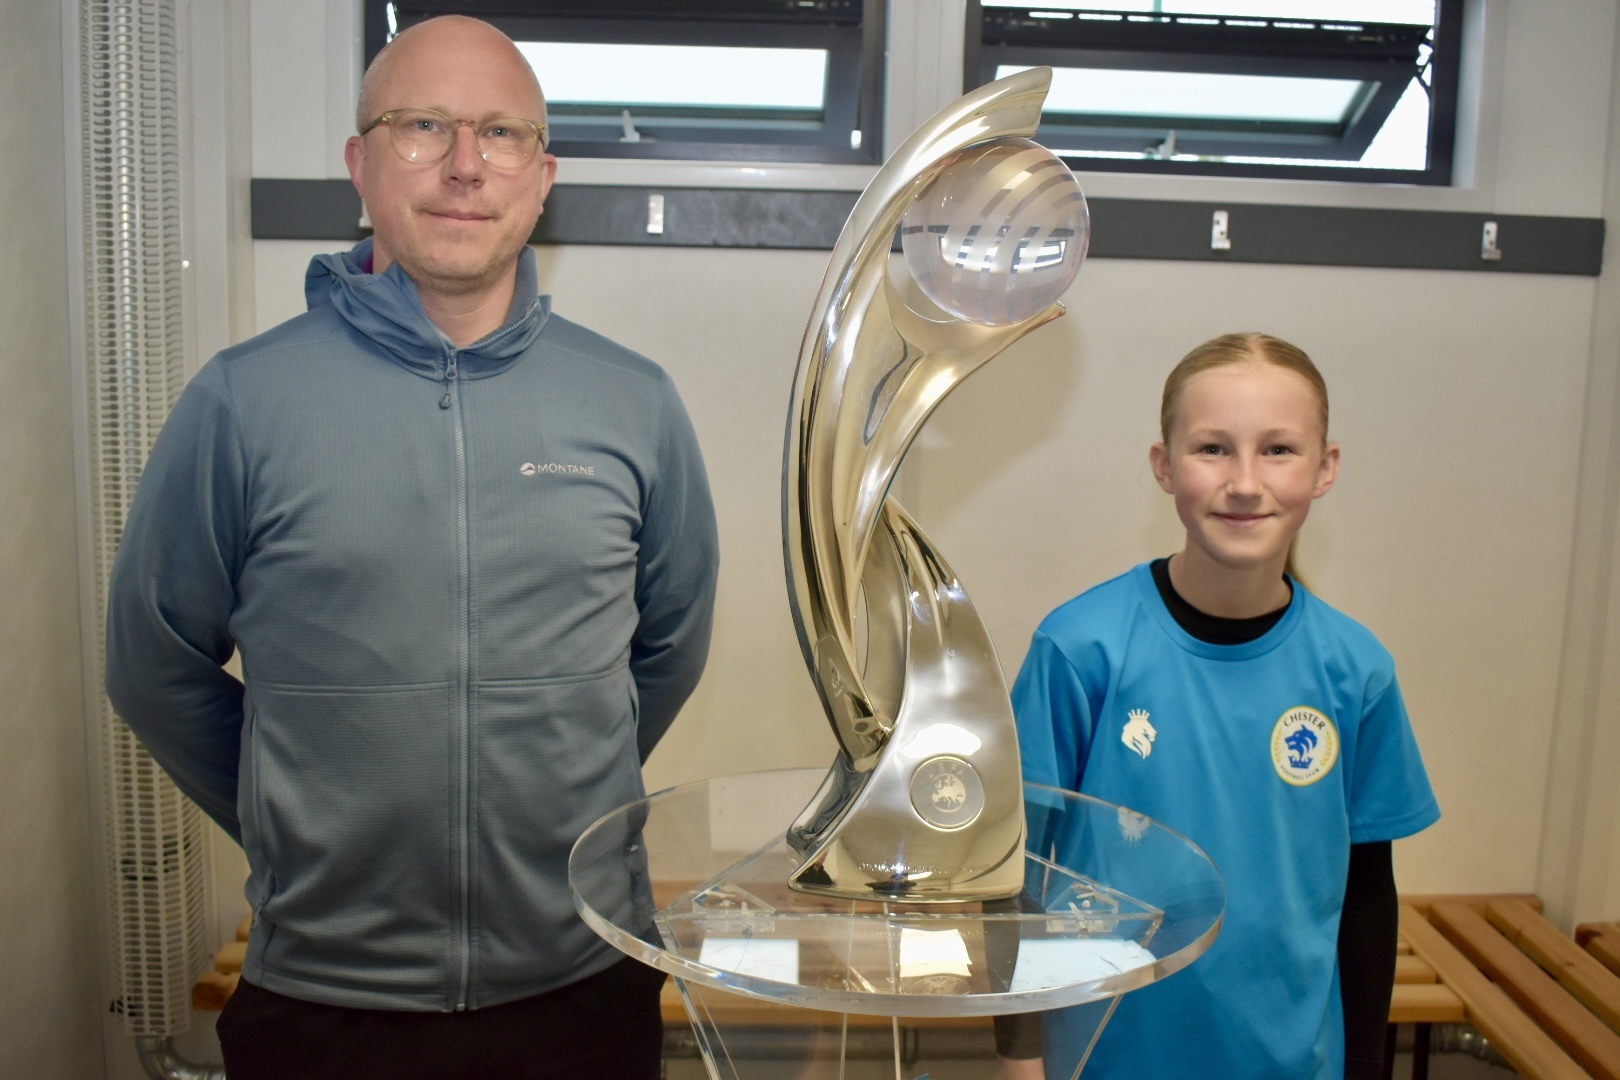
x,y
354,156
1327,472
1159,460
548,176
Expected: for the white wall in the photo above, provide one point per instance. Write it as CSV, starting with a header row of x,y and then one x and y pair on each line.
x,y
1458,398
1579,871
49,989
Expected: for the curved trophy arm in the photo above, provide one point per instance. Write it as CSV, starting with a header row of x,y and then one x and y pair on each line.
x,y
924,801
873,366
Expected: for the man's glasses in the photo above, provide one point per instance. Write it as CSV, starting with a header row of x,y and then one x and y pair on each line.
x,y
423,136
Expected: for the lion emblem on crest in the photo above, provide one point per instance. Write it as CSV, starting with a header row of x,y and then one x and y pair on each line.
x,y
1139,734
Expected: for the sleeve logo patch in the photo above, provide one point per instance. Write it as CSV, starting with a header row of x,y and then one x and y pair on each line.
x,y
1138,733
1304,746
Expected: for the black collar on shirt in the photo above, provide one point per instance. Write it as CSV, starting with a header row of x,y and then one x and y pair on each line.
x,y
1212,628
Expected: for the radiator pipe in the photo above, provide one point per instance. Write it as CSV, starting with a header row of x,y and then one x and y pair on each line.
x,y
1465,1039
162,1062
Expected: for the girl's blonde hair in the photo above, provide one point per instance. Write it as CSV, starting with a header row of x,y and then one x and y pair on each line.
x,y
1240,349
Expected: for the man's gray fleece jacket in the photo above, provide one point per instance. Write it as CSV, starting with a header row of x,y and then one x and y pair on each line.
x,y
470,589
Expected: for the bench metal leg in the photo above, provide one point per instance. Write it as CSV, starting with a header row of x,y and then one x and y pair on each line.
x,y
1391,1037
1420,1052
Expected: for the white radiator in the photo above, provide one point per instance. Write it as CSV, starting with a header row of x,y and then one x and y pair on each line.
x,y
156,839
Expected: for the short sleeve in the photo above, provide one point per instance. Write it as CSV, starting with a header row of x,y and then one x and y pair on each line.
x,y
1389,794
1054,716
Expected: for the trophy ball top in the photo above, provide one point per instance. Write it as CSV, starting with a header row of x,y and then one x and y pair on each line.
x,y
999,233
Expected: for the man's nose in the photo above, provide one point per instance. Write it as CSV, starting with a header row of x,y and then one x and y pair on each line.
x,y
464,160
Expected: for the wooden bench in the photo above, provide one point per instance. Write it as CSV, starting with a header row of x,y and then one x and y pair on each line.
x,y
1602,940
1551,1009
214,989
1549,1004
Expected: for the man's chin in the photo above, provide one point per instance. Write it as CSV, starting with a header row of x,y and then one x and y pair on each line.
x,y
449,277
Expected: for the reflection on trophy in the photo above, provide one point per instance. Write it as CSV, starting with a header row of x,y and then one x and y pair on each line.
x,y
925,799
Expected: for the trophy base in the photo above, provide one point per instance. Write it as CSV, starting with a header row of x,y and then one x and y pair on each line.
x,y
878,835
825,875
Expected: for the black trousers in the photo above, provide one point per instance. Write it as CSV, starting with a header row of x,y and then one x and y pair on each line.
x,y
604,1027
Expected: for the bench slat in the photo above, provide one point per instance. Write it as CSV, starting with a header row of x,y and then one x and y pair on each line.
x,y
1411,1003
1424,1003
728,1009
1581,974
1422,902
230,958
1487,1006
1580,1033
1413,969
1606,949
1586,931
213,990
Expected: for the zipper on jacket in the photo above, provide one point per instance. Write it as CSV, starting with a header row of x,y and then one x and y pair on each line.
x,y
452,400
463,687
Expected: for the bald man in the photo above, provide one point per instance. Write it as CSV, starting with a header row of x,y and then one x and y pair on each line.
x,y
466,552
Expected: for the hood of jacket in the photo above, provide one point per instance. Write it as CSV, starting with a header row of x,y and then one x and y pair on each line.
x,y
387,308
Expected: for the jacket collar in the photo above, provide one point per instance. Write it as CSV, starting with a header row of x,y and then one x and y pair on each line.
x,y
387,308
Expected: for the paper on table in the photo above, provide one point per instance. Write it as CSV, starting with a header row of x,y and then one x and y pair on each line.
x,y
1066,961
771,958
932,952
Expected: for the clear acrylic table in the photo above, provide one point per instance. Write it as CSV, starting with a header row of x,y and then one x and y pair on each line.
x,y
693,881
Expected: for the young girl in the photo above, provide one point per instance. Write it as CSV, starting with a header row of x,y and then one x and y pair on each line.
x,y
1212,692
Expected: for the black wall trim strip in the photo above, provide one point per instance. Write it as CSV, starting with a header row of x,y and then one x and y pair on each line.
x,y
1341,236
1121,228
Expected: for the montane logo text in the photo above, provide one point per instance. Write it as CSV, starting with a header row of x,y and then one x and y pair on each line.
x,y
550,468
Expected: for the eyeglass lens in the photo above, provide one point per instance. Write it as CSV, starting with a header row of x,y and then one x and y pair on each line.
x,y
421,135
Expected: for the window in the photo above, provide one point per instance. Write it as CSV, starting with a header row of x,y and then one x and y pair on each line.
x,y
1321,89
732,80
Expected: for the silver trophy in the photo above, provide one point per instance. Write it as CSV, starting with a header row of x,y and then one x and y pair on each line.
x,y
924,802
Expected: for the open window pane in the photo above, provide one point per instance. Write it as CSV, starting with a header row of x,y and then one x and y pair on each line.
x,y
1101,93
1403,140
1237,87
705,80
1377,11
679,77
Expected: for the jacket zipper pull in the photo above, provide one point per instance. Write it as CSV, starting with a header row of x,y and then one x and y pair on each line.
x,y
449,377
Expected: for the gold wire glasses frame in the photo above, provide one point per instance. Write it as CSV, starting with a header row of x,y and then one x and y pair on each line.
x,y
423,136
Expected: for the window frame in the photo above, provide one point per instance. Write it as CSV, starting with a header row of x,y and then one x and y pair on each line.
x,y
852,31
1117,45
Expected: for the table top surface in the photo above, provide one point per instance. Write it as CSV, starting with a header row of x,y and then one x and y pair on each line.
x,y
693,880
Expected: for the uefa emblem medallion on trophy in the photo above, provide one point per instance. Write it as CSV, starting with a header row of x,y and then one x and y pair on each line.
x,y
924,802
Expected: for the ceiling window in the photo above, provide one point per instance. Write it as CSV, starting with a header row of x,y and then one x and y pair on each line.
x,y
730,80
1341,89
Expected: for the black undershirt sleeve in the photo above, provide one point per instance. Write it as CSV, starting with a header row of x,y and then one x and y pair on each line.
x,y
1368,928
